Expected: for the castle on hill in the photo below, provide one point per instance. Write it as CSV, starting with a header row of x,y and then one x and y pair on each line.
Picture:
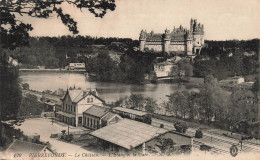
x,y
178,41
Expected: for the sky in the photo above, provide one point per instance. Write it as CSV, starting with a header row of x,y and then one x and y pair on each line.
x,y
222,19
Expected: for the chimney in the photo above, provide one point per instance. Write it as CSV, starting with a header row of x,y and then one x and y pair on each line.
x,y
84,93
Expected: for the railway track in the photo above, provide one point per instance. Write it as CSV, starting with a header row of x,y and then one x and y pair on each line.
x,y
218,142
213,150
228,142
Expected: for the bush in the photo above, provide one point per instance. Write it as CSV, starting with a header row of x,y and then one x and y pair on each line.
x,y
198,134
186,148
205,148
69,138
180,127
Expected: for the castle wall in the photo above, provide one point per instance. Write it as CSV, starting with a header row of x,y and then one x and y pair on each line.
x,y
157,47
177,47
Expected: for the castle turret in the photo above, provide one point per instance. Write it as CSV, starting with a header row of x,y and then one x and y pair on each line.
x,y
167,40
142,40
191,25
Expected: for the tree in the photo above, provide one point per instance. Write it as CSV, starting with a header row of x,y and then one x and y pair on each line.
x,y
198,134
10,90
179,103
17,32
104,68
25,86
136,101
150,105
30,105
185,68
209,100
181,127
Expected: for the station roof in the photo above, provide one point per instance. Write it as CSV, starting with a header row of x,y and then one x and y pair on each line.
x,y
19,146
128,133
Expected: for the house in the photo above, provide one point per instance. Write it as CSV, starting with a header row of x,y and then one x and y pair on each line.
x,y
246,85
133,114
249,54
164,69
49,106
127,135
19,146
75,102
96,117
76,66
231,82
13,62
58,106
40,67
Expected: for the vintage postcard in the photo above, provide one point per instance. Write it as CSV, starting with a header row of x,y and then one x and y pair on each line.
x,y
129,79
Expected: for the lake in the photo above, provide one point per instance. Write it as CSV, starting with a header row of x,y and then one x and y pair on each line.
x,y
108,91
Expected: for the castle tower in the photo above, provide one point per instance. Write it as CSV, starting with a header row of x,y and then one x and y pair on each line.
x,y
189,44
142,40
167,41
198,37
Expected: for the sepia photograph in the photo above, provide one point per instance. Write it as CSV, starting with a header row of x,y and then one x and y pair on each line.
x,y
129,79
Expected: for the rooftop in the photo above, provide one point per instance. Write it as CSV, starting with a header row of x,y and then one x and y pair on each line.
x,y
165,63
97,111
135,112
109,116
77,95
19,146
128,133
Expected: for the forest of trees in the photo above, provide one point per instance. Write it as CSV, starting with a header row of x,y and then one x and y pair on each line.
x,y
51,52
131,69
226,59
212,106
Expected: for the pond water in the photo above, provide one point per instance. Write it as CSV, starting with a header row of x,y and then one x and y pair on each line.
x,y
108,91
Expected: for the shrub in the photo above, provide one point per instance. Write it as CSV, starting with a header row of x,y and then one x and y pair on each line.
x,y
69,138
180,127
186,148
205,148
198,134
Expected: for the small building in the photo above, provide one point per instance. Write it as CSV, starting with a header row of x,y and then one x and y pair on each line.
x,y
128,135
96,117
49,106
231,82
246,85
40,67
75,102
58,106
19,146
13,62
133,114
77,66
164,69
